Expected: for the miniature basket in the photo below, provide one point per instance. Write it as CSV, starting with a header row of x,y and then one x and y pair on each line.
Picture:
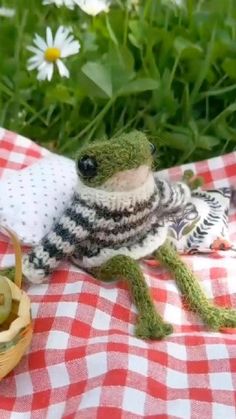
x,y
16,331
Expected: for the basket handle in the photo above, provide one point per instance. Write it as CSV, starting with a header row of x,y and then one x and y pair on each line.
x,y
18,255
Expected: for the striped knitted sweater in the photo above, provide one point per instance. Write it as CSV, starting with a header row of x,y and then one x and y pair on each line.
x,y
99,224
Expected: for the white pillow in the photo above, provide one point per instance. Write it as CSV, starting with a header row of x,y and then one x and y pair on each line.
x,y
32,199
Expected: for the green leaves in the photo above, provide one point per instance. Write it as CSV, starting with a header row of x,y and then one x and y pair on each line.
x,y
139,85
100,75
207,142
59,93
187,49
115,75
229,66
170,71
138,32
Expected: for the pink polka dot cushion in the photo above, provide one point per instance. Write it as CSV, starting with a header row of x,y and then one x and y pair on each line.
x,y
34,197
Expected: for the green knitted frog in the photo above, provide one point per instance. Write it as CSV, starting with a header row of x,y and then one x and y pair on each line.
x,y
119,214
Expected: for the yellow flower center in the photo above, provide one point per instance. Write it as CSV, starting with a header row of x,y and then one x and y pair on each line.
x,y
52,54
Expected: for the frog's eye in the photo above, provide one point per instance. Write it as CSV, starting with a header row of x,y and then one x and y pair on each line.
x,y
153,148
87,167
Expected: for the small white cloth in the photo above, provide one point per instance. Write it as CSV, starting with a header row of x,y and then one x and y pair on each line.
x,y
32,199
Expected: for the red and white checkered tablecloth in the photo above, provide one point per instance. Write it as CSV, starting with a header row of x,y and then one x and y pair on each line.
x,y
84,361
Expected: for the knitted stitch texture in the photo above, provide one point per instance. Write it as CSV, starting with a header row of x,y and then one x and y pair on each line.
x,y
150,324
215,317
99,225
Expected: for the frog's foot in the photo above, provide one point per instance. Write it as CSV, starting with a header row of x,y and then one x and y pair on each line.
x,y
152,328
193,181
219,318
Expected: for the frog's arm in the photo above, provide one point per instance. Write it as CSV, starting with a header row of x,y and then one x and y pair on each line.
x,y
58,244
173,196
150,323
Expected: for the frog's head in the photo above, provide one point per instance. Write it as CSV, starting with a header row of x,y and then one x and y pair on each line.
x,y
122,163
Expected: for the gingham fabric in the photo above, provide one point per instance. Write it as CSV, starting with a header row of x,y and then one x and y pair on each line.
x,y
84,361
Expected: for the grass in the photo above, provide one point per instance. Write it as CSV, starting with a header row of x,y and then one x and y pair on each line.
x,y
168,70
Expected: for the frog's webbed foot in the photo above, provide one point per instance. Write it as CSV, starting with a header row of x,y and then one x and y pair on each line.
x,y
217,318
150,324
147,328
193,181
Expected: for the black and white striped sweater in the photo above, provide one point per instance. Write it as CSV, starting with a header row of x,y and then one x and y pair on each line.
x,y
101,224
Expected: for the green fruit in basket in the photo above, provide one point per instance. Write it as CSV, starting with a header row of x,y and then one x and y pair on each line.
x,y
5,300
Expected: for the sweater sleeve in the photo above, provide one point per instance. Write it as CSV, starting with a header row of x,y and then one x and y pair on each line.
x,y
173,196
59,243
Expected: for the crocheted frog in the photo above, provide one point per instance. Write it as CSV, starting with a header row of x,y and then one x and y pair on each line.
x,y
119,214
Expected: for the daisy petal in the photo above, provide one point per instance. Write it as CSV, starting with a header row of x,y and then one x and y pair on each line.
x,y
36,59
42,75
32,66
39,42
58,35
93,7
50,71
45,71
33,49
63,70
69,39
61,36
49,37
68,3
71,49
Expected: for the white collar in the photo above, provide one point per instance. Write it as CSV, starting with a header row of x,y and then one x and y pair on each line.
x,y
117,200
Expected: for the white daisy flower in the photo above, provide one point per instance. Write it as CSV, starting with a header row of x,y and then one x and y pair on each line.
x,y
49,53
7,12
178,3
93,7
68,3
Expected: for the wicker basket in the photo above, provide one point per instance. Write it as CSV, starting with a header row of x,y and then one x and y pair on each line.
x,y
16,331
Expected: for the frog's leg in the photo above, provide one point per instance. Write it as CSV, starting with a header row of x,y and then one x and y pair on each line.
x,y
9,273
150,324
214,317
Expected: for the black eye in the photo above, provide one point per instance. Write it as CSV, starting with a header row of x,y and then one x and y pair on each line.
x,y
87,167
153,148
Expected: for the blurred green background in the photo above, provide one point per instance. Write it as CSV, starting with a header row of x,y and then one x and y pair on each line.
x,y
166,69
